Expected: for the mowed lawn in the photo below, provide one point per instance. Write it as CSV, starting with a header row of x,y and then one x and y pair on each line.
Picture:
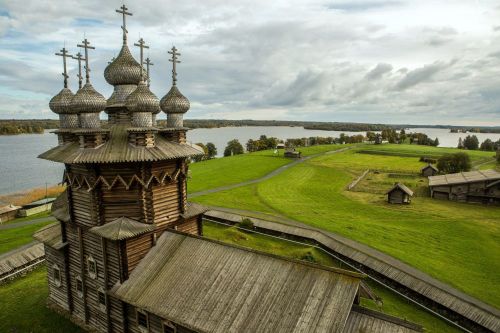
x,y
11,239
239,168
23,307
456,243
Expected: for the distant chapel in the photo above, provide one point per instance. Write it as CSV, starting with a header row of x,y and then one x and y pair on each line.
x,y
127,253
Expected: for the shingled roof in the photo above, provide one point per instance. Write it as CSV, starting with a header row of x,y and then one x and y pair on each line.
x,y
50,235
464,177
208,286
402,187
117,149
60,207
122,228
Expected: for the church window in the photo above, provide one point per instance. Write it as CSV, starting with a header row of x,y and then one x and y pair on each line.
x,y
169,327
101,296
79,286
92,267
142,321
56,274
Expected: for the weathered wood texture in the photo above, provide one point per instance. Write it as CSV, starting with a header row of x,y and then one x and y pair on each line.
x,y
58,288
388,267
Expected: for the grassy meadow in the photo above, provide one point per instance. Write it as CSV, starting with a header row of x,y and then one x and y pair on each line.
x,y
11,239
456,243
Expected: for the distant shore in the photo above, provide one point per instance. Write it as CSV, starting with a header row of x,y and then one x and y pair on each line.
x,y
25,197
37,126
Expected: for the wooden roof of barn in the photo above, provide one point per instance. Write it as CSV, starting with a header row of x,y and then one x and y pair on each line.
x,y
117,149
209,286
464,177
401,187
364,320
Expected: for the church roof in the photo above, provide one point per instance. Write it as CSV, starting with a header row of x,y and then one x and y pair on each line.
x,y
117,149
124,69
50,235
208,286
430,166
60,207
122,228
193,209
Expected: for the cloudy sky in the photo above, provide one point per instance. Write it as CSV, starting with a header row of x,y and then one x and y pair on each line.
x,y
418,62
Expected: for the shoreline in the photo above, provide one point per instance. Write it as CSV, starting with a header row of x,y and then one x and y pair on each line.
x,y
24,197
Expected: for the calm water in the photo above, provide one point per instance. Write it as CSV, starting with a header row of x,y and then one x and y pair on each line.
x,y
21,170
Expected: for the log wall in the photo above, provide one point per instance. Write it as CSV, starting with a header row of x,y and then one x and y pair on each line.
x,y
57,293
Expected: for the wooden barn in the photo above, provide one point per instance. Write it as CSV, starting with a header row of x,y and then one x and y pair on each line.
x,y
399,194
8,212
482,186
429,170
127,253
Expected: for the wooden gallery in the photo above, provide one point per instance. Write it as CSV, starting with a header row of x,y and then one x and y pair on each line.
x,y
128,252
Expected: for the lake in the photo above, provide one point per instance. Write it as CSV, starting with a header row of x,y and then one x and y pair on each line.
x,y
20,168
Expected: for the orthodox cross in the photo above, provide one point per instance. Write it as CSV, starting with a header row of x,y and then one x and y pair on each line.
x,y
86,45
124,13
174,61
142,45
148,63
79,75
64,53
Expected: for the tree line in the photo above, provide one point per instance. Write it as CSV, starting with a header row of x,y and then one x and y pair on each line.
x,y
471,142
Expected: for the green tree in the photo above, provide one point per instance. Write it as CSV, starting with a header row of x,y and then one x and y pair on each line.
x,y
436,142
471,142
201,157
211,150
460,143
233,147
487,145
453,163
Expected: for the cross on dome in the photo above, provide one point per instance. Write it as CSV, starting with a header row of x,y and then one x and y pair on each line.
x,y
123,10
148,63
86,45
64,54
142,45
174,61
79,75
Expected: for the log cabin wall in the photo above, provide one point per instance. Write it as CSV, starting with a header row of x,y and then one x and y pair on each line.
x,y
165,198
155,323
58,290
136,249
190,226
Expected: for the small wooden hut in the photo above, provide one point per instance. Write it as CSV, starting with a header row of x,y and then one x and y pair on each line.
x,y
8,212
429,170
292,153
399,194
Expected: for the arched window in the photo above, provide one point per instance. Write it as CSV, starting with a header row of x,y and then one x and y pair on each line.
x,y
91,267
56,275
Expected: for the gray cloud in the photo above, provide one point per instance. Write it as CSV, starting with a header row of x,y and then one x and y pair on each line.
x,y
378,71
362,61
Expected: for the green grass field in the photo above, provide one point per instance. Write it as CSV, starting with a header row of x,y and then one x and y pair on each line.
x,y
239,168
393,304
456,243
23,307
11,239
28,218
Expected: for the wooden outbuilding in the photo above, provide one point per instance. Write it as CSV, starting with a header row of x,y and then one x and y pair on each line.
x,y
481,186
399,194
8,212
429,170
292,153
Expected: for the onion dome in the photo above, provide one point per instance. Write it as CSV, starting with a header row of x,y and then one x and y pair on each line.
x,y
174,102
124,69
142,100
88,100
61,103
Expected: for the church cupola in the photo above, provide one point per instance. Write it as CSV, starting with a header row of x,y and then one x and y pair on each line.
x,y
142,103
87,102
174,104
61,103
123,72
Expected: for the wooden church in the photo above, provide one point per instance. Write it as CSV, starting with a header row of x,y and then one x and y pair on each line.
x,y
127,254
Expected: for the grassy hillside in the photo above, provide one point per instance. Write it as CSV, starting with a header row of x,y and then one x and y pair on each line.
x,y
456,243
239,168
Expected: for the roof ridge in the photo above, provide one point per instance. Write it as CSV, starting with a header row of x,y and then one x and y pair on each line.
x,y
267,254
